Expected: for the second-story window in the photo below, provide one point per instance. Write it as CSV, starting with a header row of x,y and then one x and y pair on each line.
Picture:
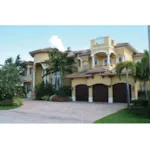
x,y
96,62
30,71
105,62
111,61
120,59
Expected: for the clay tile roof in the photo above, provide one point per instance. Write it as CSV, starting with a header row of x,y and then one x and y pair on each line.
x,y
78,75
124,45
98,69
83,52
29,62
43,50
138,55
89,72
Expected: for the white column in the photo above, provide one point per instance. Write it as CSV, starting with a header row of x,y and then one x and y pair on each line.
x,y
90,99
93,61
108,59
110,94
73,94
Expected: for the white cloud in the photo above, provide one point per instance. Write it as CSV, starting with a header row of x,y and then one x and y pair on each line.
x,y
56,42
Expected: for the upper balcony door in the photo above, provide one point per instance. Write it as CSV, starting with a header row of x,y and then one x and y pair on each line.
x,y
103,58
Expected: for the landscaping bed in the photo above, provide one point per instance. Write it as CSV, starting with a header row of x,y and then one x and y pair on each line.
x,y
57,98
8,107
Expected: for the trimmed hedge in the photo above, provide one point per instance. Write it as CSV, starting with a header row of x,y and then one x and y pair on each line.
x,y
14,102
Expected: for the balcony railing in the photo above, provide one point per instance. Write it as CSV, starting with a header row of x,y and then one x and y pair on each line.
x,y
27,78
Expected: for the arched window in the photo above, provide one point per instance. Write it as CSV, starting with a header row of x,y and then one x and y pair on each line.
x,y
96,61
57,80
79,62
85,65
120,59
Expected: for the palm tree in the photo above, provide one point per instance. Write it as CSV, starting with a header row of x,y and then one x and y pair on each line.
x,y
142,71
129,67
60,62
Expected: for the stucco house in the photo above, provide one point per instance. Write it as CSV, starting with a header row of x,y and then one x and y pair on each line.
x,y
95,80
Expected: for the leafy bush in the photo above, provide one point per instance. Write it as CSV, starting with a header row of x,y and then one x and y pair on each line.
x,y
64,91
46,97
6,102
17,101
42,90
10,82
140,102
13,102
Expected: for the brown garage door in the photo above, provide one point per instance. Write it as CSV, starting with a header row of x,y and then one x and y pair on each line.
x,y
119,92
100,93
81,92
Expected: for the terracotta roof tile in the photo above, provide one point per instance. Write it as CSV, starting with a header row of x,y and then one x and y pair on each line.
x,y
78,75
124,45
98,69
138,55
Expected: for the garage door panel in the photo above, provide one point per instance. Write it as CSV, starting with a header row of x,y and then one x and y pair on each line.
x,y
100,93
119,93
81,92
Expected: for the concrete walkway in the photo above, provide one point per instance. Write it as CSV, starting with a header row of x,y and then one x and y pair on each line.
x,y
58,112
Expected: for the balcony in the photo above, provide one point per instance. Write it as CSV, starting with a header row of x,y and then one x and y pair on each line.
x,y
27,78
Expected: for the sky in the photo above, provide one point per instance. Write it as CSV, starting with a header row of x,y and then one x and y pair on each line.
x,y
21,40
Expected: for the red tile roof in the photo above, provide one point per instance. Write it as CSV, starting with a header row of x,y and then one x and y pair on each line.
x,y
138,55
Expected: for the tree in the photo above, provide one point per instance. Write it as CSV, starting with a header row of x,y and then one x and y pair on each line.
x,y
128,67
10,78
60,62
18,63
9,82
142,71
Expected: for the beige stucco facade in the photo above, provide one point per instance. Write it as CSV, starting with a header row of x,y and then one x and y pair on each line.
x,y
103,54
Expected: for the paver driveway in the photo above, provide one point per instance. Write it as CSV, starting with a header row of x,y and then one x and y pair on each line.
x,y
58,112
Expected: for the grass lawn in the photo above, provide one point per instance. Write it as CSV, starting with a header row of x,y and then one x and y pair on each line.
x,y
8,107
133,115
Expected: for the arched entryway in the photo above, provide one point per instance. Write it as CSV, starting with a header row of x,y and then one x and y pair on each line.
x,y
82,92
100,93
119,92
38,74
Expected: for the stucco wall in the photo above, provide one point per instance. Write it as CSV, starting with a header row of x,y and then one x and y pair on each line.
x,y
128,54
136,59
40,57
38,75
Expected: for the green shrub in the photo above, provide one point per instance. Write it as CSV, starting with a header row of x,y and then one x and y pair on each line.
x,y
6,102
64,91
10,82
17,101
43,89
13,102
46,97
140,102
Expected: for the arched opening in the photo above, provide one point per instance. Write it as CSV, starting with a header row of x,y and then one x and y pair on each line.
x,y
38,74
82,92
100,93
79,61
120,92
